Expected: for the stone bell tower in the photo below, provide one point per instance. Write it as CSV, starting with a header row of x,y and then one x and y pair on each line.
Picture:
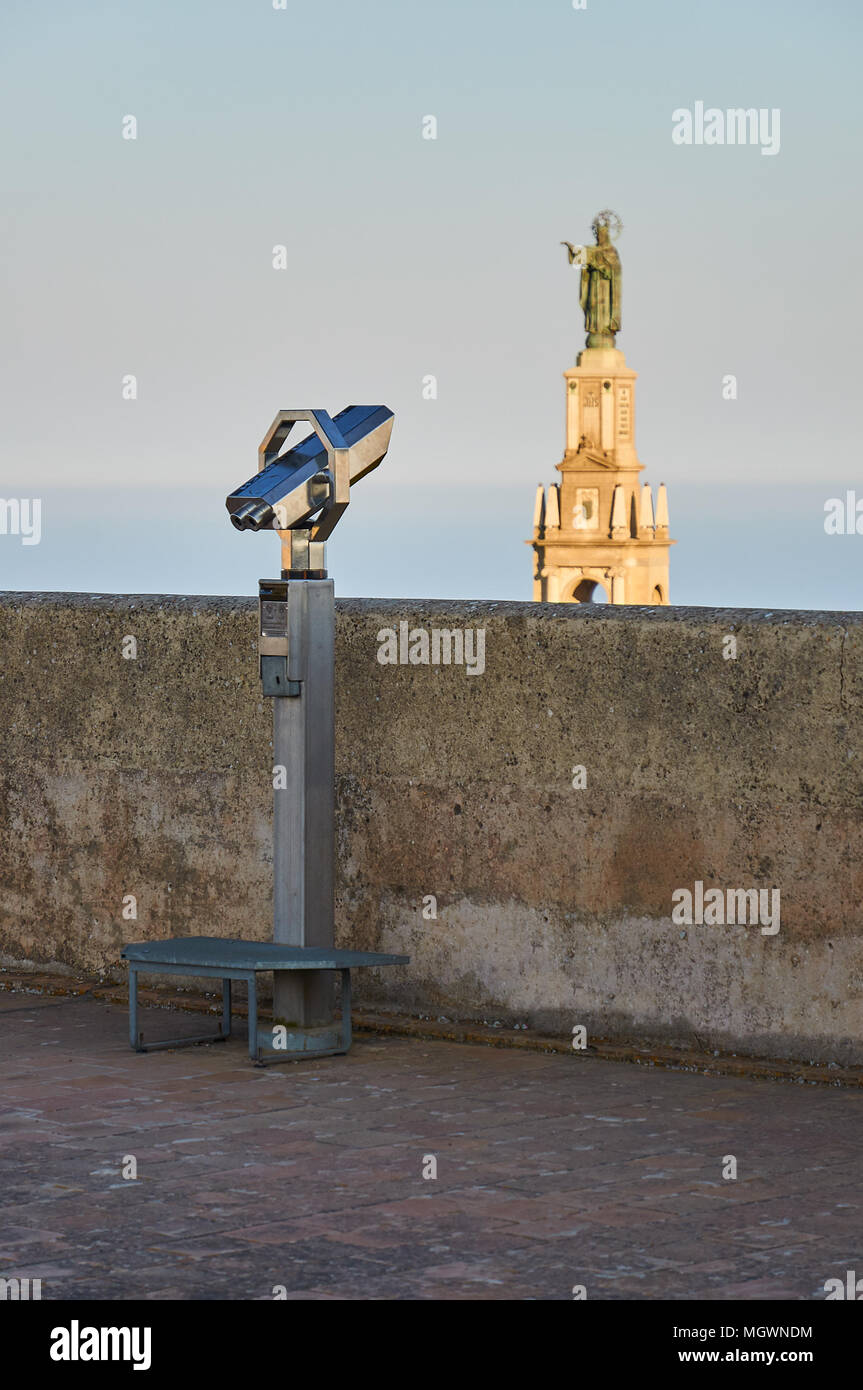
x,y
596,531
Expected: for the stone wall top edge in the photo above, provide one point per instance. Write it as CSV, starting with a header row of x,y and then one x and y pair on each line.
x,y
469,608
214,603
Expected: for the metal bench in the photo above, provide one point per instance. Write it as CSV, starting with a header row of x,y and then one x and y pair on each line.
x,y
243,960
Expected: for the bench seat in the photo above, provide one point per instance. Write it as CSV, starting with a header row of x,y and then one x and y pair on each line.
x,y
229,959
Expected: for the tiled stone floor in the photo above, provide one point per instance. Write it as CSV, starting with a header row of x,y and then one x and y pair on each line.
x,y
552,1171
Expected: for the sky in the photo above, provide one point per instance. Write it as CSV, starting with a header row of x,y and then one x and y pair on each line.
x,y
407,258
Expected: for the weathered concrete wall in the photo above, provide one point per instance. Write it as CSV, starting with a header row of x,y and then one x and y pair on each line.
x,y
152,777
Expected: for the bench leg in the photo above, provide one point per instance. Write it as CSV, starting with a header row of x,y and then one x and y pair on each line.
x,y
253,1018
346,1010
134,1040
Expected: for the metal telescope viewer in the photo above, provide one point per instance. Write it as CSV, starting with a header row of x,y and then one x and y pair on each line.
x,y
302,495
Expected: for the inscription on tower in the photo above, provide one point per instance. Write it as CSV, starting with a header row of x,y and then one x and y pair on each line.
x,y
624,414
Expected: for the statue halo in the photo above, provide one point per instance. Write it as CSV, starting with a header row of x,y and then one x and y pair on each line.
x,y
608,219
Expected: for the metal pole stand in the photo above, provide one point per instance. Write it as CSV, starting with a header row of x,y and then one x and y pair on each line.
x,y
297,668
302,495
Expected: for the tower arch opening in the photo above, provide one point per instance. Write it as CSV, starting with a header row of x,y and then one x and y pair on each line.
x,y
588,591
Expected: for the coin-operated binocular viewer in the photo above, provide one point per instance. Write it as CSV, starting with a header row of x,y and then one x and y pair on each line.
x,y
302,495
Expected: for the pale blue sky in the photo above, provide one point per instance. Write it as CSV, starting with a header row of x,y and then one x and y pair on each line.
x,y
408,257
